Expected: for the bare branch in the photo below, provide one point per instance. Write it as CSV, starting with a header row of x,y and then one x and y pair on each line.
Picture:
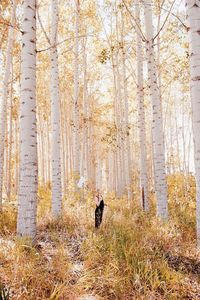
x,y
165,21
59,43
42,27
134,19
177,17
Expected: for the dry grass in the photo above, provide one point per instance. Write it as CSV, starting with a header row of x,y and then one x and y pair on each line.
x,y
8,221
127,257
132,256
39,270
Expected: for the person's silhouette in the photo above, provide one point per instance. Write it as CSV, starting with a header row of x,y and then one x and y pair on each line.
x,y
99,208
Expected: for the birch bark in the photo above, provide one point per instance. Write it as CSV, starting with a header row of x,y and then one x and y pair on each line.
x,y
126,113
55,117
141,113
76,142
85,111
157,127
118,172
193,16
10,143
121,131
5,97
28,183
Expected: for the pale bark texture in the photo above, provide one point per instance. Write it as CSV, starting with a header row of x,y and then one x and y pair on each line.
x,y
118,171
127,154
85,111
55,117
121,114
10,143
121,130
193,16
28,183
141,113
76,142
157,127
4,104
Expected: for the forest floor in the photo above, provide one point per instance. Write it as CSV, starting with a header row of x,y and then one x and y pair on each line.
x,y
132,256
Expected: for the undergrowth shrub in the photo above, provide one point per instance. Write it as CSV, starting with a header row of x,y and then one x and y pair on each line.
x,y
127,257
65,223
39,269
44,200
182,204
8,220
4,293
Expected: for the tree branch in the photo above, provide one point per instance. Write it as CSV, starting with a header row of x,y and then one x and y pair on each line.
x,y
165,21
177,17
42,27
59,43
137,25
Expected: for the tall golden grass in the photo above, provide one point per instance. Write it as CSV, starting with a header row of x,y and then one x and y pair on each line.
x,y
127,258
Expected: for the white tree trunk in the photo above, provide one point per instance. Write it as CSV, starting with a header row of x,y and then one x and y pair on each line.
x,y
49,152
126,114
16,139
193,15
92,150
157,127
85,111
28,184
55,117
76,142
110,170
118,180
10,144
3,112
141,113
121,126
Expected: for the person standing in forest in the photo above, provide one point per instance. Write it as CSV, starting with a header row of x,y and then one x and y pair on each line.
x,y
99,208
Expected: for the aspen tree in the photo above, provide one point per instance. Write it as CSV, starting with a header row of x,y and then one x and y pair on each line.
x,y
157,127
28,182
85,111
141,113
4,104
120,112
76,142
193,16
10,144
55,116
120,124
118,171
126,112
